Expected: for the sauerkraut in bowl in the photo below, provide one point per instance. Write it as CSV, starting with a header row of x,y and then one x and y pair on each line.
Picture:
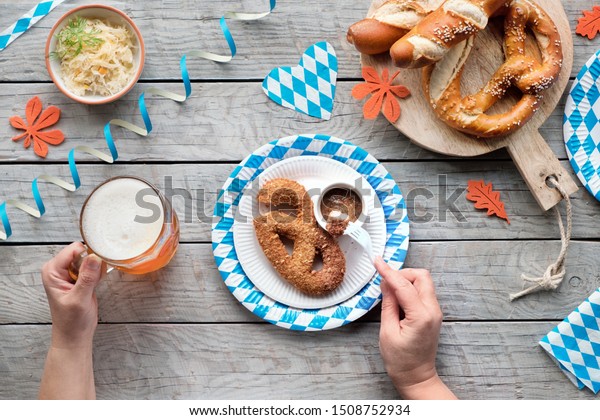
x,y
95,54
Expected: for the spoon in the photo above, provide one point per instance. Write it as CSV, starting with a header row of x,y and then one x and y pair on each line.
x,y
353,228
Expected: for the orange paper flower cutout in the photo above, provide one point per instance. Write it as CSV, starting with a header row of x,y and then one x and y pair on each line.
x,y
33,130
383,94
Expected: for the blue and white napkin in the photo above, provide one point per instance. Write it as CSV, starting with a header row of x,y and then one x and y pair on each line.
x,y
574,344
26,21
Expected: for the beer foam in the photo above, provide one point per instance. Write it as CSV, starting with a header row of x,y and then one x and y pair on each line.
x,y
113,222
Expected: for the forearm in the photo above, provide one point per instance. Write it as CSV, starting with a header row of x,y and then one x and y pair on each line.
x,y
68,373
431,389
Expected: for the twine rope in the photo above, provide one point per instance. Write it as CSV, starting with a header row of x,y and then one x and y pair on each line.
x,y
555,273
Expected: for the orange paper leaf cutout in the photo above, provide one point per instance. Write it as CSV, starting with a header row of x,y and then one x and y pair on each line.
x,y
33,130
589,24
486,198
383,94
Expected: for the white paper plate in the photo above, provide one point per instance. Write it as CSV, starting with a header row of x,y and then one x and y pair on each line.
x,y
238,282
314,173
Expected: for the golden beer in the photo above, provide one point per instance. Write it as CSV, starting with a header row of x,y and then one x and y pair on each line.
x,y
129,224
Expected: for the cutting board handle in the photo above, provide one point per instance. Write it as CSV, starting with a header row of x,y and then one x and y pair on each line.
x,y
536,162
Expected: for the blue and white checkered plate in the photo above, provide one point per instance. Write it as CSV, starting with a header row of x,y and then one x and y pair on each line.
x,y
314,173
582,125
240,285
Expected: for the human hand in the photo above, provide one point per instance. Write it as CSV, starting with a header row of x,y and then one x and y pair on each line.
x,y
73,307
411,319
68,372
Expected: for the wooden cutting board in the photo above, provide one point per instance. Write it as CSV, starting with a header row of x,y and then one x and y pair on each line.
x,y
528,149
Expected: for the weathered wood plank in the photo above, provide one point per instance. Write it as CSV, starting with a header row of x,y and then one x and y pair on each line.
x,y
477,361
171,29
225,122
473,280
221,121
431,190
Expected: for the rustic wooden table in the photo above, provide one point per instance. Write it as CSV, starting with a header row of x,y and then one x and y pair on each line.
x,y
179,333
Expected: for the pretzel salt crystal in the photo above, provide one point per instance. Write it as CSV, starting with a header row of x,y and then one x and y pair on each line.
x,y
450,24
388,23
442,80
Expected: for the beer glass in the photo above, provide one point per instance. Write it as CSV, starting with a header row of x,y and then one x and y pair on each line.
x,y
129,224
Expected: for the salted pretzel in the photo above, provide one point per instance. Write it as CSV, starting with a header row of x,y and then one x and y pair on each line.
x,y
390,21
420,32
309,239
441,81
433,36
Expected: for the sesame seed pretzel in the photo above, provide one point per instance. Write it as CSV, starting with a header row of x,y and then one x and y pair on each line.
x,y
433,36
390,21
442,80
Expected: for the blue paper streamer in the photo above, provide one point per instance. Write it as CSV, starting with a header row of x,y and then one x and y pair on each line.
x,y
40,209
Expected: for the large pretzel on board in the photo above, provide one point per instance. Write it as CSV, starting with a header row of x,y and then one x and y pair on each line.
x,y
441,81
389,22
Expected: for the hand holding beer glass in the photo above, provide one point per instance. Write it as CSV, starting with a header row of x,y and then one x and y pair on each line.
x,y
129,224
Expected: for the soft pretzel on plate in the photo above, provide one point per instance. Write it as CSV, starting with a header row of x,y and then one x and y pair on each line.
x,y
390,21
309,239
468,114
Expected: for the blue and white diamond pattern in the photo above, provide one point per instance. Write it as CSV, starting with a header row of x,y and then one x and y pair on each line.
x,y
241,286
26,21
575,344
309,87
582,126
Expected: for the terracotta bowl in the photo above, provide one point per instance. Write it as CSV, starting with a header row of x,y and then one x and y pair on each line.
x,y
97,11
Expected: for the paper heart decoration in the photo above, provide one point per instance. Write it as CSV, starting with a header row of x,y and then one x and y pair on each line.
x,y
308,88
